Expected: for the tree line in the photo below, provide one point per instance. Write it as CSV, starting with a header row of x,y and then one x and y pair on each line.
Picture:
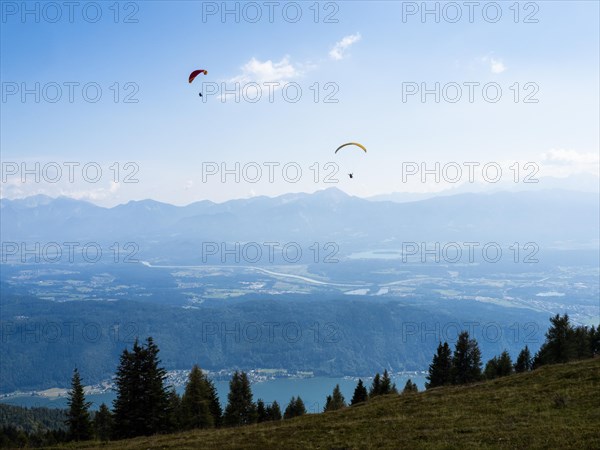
x,y
145,405
564,342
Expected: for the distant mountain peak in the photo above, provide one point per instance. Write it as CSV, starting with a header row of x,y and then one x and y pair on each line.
x,y
34,201
333,193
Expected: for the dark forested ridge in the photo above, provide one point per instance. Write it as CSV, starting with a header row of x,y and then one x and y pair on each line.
x,y
321,335
32,419
297,333
31,427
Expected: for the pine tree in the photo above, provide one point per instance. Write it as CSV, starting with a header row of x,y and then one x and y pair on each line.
x,y
240,409
335,401
290,409
141,405
103,423
295,408
440,368
523,363
386,384
274,411
466,361
78,416
581,342
300,409
505,364
360,393
127,404
559,346
157,399
410,387
195,403
174,412
214,405
261,411
595,340
491,369
375,386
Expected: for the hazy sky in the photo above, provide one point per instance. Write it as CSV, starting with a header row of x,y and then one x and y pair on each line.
x,y
366,56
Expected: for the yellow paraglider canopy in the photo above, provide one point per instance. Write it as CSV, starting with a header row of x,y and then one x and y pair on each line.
x,y
351,143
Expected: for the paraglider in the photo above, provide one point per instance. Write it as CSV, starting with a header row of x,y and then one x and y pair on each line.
x,y
351,143
362,147
195,73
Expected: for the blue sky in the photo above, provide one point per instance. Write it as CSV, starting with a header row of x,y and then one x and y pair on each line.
x,y
170,132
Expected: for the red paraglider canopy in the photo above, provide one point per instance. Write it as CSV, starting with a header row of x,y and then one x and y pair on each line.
x,y
195,73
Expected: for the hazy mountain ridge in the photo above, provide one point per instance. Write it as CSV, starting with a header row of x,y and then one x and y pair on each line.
x,y
547,217
583,182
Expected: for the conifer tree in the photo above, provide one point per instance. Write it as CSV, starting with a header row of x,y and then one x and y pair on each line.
x,y
295,408
141,406
466,361
491,369
360,393
335,401
410,387
290,409
240,409
274,411
214,405
195,402
559,347
440,368
595,340
505,365
103,423
156,402
375,386
300,409
386,384
127,404
78,416
523,363
581,342
174,412
261,411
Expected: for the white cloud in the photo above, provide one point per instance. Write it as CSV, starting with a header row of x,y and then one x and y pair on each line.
x,y
93,195
496,65
263,73
566,157
15,189
565,162
267,71
339,49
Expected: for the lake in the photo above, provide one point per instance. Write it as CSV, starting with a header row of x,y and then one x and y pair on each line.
x,y
312,390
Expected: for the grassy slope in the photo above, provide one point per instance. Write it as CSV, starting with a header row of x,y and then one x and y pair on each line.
x,y
519,411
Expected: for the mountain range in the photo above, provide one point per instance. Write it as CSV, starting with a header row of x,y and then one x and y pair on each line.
x,y
550,218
